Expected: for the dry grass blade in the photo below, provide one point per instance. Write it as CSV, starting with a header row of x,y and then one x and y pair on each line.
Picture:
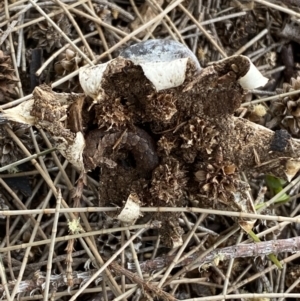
x,y
61,32
51,247
278,7
15,164
208,36
156,291
8,31
4,281
154,225
230,267
26,256
179,253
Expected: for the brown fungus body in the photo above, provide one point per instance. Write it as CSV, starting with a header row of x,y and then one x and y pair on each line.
x,y
156,139
190,126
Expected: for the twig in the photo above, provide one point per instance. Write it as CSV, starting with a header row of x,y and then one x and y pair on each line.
x,y
38,265
31,241
157,243
278,7
51,247
199,16
202,255
15,102
150,225
12,275
257,54
136,11
251,42
126,294
100,22
79,277
4,281
26,173
12,165
24,10
245,296
155,5
74,228
134,255
190,227
229,268
262,92
213,20
71,18
61,32
280,285
161,262
100,31
117,8
147,286
61,50
67,237
13,53
275,70
20,41
274,97
42,18
267,270
182,248
158,209
203,30
7,31
123,260
39,278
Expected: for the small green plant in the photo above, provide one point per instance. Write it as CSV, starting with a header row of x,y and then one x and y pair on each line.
x,y
275,185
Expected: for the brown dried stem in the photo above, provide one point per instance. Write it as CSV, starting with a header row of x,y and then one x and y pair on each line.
x,y
67,12
61,32
150,225
99,29
52,246
230,265
278,7
204,31
155,209
180,251
237,251
13,54
146,286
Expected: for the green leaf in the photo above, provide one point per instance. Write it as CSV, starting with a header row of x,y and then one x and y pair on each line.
x,y
275,185
272,256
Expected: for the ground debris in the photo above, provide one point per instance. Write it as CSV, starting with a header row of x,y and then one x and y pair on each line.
x,y
147,137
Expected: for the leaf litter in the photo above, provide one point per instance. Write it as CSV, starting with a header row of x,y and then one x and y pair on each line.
x,y
149,131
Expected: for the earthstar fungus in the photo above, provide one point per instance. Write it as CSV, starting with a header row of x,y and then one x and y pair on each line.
x,y
162,131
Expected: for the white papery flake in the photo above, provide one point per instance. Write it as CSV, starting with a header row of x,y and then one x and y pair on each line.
x,y
131,210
